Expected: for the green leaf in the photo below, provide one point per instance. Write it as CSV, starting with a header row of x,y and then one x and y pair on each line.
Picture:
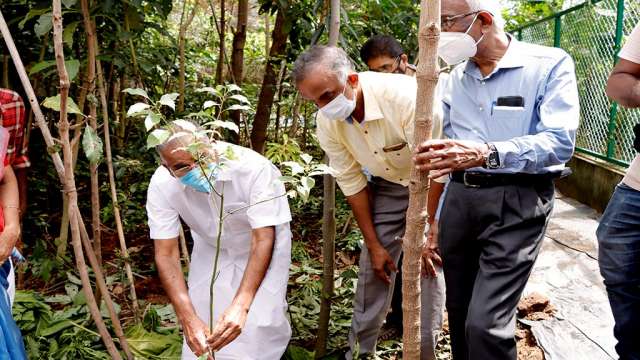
x,y
240,98
186,125
204,356
72,66
209,104
67,33
229,125
31,14
53,103
238,107
44,24
69,3
92,145
136,91
152,120
294,167
308,182
169,100
157,137
287,179
209,90
307,158
41,66
233,87
138,109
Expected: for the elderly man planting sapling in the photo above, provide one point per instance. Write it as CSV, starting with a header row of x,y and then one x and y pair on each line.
x,y
254,250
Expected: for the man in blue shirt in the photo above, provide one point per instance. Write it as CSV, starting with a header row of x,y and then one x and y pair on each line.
x,y
511,113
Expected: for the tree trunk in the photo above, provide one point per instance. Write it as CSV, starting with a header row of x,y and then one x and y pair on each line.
x,y
281,78
184,26
413,242
237,58
69,183
222,37
328,222
269,82
334,25
267,34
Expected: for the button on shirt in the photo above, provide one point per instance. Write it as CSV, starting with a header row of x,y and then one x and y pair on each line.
x,y
376,143
538,137
246,179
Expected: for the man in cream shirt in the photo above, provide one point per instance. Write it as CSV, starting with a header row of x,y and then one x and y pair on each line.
x,y
366,121
619,230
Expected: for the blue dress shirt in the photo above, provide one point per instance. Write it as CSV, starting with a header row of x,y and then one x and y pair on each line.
x,y
536,138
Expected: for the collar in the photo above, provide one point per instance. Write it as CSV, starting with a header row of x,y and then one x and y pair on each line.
x,y
371,107
511,59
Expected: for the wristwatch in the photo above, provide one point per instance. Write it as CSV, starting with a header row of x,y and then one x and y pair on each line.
x,y
492,159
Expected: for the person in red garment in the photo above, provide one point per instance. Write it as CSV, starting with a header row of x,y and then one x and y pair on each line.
x,y
11,344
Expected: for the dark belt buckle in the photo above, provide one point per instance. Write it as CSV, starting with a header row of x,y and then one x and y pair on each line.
x,y
467,183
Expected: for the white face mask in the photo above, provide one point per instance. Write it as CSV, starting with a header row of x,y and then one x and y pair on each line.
x,y
456,47
340,107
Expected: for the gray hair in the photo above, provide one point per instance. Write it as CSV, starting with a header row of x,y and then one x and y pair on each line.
x,y
492,6
181,137
330,57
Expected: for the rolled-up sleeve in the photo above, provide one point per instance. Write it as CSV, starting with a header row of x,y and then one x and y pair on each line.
x,y
347,170
164,221
267,199
554,139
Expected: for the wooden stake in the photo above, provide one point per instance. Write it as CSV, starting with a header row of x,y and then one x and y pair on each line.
x,y
328,222
413,242
69,183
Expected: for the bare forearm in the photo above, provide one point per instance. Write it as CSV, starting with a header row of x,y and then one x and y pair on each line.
x,y
262,243
9,199
21,177
435,191
625,89
174,285
362,212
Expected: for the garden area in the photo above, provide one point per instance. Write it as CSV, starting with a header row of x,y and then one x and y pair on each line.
x,y
133,65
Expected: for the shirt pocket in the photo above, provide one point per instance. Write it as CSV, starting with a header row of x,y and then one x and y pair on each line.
x,y
508,122
236,231
398,155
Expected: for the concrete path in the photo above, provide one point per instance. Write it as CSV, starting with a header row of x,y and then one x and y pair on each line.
x,y
567,272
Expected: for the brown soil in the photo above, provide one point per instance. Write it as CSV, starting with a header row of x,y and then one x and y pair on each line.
x,y
533,307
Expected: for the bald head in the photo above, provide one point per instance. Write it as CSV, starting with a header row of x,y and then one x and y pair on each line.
x,y
459,7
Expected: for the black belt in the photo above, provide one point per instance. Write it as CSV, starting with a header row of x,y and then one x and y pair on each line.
x,y
483,180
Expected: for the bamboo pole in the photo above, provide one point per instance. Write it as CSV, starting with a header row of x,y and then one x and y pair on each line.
x,y
69,183
112,187
93,167
413,242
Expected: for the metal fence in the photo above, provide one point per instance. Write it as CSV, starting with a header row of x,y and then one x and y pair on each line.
x,y
592,34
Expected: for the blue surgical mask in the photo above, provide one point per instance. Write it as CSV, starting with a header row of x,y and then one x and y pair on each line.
x,y
198,181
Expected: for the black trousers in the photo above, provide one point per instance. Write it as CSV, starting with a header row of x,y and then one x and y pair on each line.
x,y
489,240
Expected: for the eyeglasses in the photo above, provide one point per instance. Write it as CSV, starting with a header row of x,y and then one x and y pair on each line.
x,y
181,171
448,21
389,68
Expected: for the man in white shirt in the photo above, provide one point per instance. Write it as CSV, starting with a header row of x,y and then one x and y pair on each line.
x,y
249,312
366,121
619,230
